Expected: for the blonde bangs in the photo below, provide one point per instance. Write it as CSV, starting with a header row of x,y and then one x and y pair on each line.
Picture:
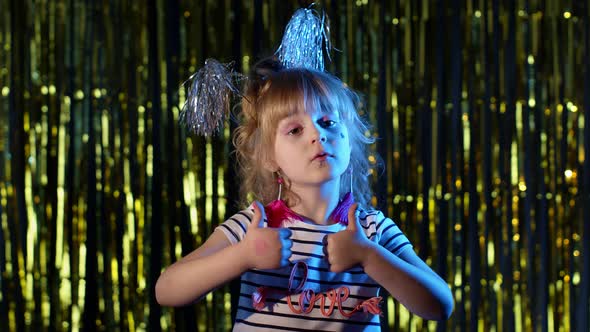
x,y
294,90
280,99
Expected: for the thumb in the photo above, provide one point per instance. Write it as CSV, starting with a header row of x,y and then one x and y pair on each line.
x,y
353,221
259,215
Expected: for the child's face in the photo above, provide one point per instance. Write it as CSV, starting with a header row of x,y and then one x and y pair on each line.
x,y
312,148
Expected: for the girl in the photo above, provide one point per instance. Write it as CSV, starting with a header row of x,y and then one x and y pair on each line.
x,y
310,259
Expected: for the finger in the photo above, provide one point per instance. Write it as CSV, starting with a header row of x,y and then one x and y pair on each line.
x,y
325,247
286,255
353,221
336,268
259,215
262,213
325,252
285,233
288,244
285,262
325,241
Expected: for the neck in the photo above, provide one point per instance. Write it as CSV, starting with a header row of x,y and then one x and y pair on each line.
x,y
317,202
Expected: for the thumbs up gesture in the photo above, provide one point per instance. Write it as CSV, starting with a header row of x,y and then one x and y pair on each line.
x,y
346,248
266,248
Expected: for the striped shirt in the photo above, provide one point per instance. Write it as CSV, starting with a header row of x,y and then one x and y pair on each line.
x,y
307,247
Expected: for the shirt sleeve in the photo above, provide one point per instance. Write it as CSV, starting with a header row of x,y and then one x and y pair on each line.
x,y
389,235
235,227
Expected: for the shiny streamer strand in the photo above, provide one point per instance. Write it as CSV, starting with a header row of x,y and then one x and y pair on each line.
x,y
209,95
304,41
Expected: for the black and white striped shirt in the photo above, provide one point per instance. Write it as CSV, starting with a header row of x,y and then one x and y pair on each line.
x,y
308,247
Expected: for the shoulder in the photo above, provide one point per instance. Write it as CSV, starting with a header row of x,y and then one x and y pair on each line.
x,y
235,227
371,217
371,220
383,230
243,216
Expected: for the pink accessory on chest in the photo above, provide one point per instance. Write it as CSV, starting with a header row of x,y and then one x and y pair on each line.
x,y
340,213
277,212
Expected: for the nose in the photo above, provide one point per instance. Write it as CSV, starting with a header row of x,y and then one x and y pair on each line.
x,y
322,139
318,135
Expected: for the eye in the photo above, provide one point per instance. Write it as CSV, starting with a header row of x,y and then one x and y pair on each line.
x,y
295,131
327,123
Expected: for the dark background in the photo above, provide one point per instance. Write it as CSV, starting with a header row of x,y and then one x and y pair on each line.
x,y
479,109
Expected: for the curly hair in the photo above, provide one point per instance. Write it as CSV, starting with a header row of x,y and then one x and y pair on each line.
x,y
270,94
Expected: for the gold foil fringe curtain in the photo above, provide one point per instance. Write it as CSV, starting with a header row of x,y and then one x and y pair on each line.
x,y
479,107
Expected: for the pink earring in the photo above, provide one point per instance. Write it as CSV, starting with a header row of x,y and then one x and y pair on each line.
x,y
277,211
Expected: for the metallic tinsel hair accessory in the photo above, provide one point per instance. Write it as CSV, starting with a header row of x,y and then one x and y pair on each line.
x,y
208,100
304,40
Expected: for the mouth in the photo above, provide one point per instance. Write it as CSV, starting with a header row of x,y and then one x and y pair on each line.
x,y
321,156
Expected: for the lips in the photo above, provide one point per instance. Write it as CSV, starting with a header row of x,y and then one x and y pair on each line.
x,y
321,156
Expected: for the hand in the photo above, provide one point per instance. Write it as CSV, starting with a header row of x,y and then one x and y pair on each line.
x,y
266,248
347,248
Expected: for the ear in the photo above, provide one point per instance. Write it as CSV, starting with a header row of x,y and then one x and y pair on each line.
x,y
271,166
268,161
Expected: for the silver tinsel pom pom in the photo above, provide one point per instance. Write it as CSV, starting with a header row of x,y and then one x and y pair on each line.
x,y
304,41
208,101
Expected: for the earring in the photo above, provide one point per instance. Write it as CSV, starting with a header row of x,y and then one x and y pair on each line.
x,y
277,211
350,173
280,182
340,213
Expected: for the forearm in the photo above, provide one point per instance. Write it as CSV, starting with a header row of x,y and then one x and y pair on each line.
x,y
187,281
422,292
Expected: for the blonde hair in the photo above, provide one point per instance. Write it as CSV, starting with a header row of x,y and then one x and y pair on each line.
x,y
271,94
